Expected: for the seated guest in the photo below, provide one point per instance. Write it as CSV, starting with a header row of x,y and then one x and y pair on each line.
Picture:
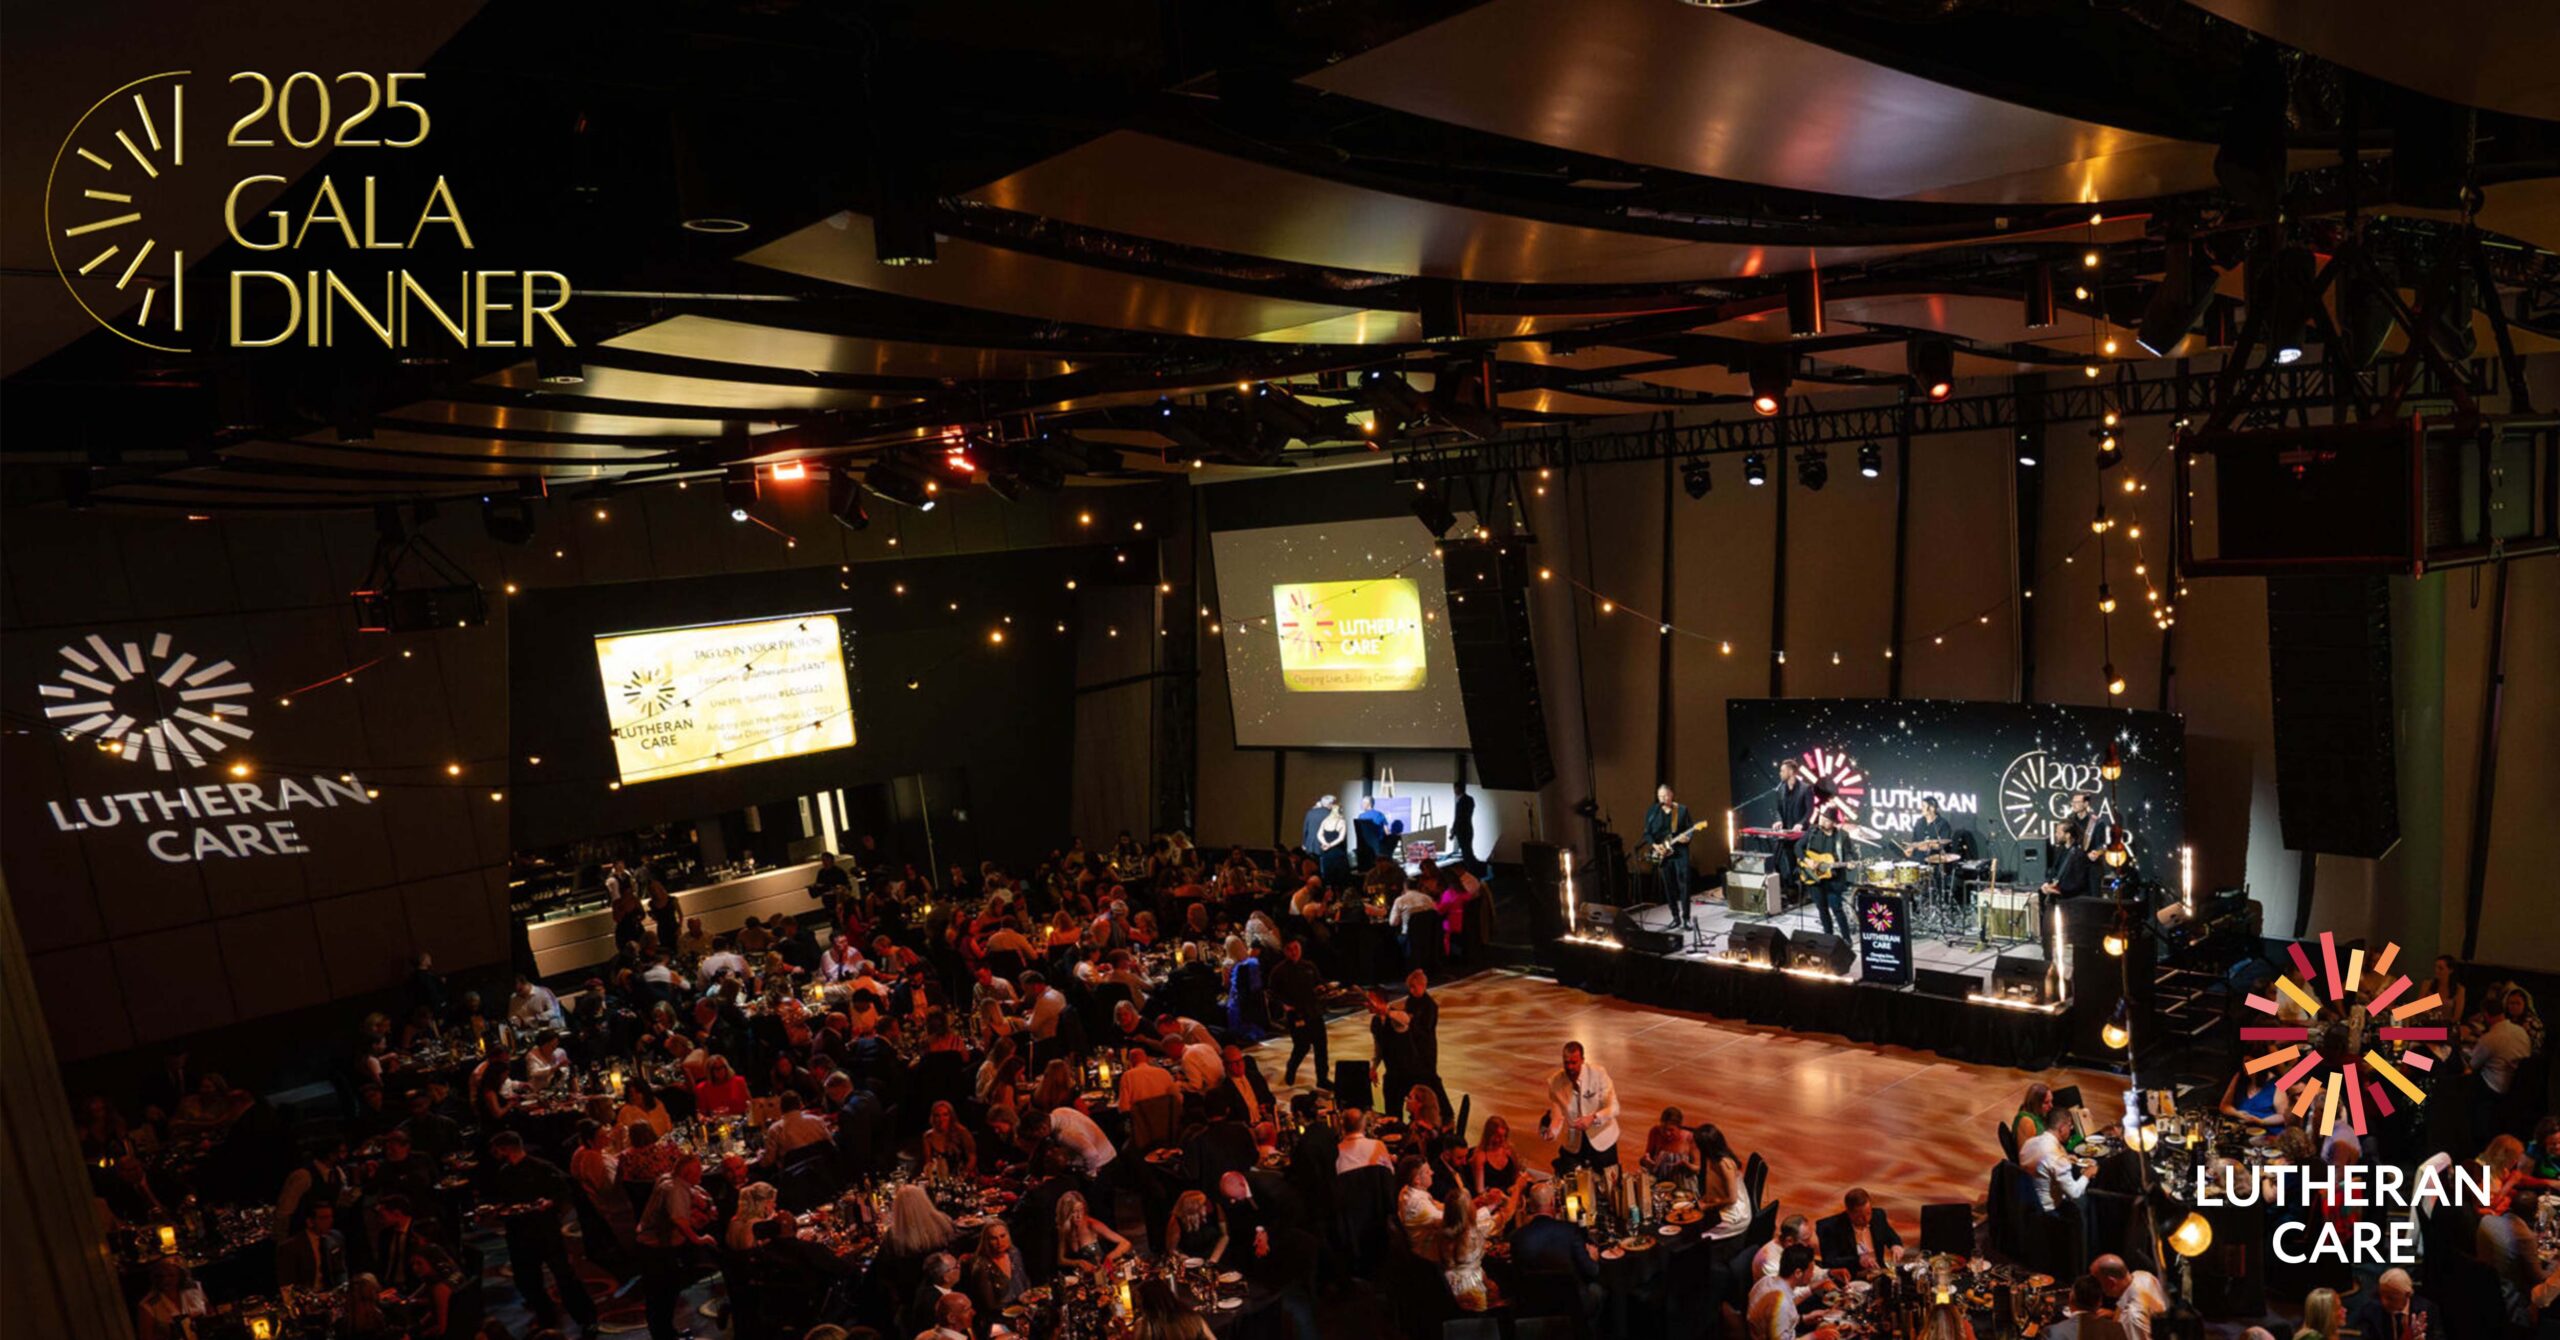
x,y
1141,1080
941,1276
2506,1244
1544,1245
546,1061
1418,1216
1669,1148
2058,1179
695,942
1058,1084
724,960
323,1177
2136,1295
210,1110
134,1196
1720,1188
2035,1112
1197,1229
2323,1316
722,1093
1495,1165
1793,1231
1242,1092
995,1277
756,1203
533,1007
795,1129
164,1309
314,1256
1354,1147
948,1147
645,1157
1085,1243
810,1266
2252,1099
641,1104
1773,1313
954,1318
1859,1238
1423,1122
1471,1228
2087,1300
2394,1311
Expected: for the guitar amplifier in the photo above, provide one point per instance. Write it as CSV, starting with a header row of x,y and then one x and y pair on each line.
x,y
1753,862
1752,895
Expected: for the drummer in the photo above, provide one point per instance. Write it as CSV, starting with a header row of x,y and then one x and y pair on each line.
x,y
1932,837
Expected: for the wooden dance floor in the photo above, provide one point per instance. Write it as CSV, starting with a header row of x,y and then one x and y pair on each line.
x,y
1829,1114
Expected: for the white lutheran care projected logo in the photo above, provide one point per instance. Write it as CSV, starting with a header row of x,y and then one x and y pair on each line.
x,y
118,692
180,711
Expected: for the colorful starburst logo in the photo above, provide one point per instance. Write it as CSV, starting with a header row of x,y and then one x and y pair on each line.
x,y
2349,1080
1839,777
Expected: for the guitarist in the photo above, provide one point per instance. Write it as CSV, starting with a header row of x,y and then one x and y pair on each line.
x,y
1829,853
1796,799
1667,831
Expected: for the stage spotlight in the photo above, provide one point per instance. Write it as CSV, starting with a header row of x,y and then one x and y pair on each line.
x,y
1755,469
1284,414
1772,371
738,486
2177,302
559,367
1393,399
1432,506
1813,468
1870,460
1695,478
900,483
2030,449
1933,367
1804,302
844,501
2039,295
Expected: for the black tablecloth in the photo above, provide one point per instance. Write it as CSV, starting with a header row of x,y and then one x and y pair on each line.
x,y
2026,1039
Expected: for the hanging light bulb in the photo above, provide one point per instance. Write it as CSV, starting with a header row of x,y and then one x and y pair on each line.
x,y
2118,1032
2106,602
2115,682
2145,1137
2112,766
2192,1236
2113,944
2118,853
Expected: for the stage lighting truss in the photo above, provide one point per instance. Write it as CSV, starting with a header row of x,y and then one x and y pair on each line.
x,y
1813,468
1696,477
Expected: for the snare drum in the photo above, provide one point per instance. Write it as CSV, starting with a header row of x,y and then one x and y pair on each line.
x,y
1907,873
1878,873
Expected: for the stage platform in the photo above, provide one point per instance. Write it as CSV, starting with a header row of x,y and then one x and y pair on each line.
x,y
1963,1020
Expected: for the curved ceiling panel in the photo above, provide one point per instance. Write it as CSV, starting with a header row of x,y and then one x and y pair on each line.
x,y
1148,186
1680,86
707,392
2497,54
996,279
504,419
712,339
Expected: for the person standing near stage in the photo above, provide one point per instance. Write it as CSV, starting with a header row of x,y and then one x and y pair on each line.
x,y
1666,839
1828,880
1582,1114
1462,828
1333,845
1795,810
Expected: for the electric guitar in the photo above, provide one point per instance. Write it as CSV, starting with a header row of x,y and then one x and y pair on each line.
x,y
1657,850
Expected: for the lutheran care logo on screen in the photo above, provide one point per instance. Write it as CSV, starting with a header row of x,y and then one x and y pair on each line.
x,y
1349,637
145,169
2336,1077
181,712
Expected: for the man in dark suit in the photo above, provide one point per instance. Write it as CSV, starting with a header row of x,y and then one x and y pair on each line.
x,y
1859,1238
1243,1093
534,1244
1796,799
1550,1253
431,1132
2071,872
2395,1311
1266,1240
862,1125
316,1257
1830,892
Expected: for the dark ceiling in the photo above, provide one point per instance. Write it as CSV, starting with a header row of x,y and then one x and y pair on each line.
x,y
1597,204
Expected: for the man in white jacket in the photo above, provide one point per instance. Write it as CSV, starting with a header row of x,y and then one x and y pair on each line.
x,y
1582,1114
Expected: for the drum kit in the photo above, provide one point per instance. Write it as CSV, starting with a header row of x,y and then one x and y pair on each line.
x,y
1946,893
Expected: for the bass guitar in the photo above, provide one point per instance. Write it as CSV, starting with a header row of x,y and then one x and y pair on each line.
x,y
1658,850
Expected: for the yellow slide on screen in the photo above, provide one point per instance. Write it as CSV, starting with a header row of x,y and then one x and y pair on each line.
x,y
1349,637
688,700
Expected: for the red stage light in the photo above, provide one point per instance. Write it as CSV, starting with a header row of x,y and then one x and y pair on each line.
x,y
1939,390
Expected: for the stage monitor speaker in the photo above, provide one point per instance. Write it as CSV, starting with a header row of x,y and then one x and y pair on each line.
x,y
1763,945
1752,895
1635,934
1488,584
1821,952
2016,977
2329,660
1946,985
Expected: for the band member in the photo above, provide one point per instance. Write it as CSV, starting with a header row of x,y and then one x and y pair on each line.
x,y
1828,882
1930,833
2096,830
2071,876
1666,838
1796,800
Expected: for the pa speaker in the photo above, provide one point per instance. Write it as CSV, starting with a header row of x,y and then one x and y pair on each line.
x,y
1543,864
1820,952
2016,977
1497,665
2329,660
1763,945
1947,985
1643,939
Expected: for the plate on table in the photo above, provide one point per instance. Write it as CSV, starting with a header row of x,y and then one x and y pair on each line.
x,y
1669,1230
1613,1253
1192,1263
971,1221
1639,1244
1231,1277
2039,1281
1861,1287
1035,1297
1690,1215
1229,1304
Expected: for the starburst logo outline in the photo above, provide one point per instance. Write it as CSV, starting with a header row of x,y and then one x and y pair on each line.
x,y
98,679
2346,1080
